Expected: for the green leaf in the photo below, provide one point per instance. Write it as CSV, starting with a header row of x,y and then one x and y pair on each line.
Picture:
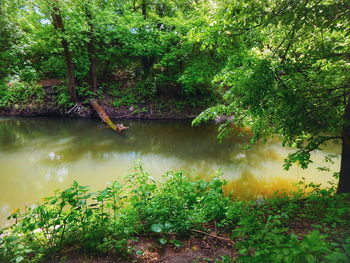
x,y
157,228
176,242
168,226
162,241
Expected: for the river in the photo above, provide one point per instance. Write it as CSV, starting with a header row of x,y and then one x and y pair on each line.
x,y
39,155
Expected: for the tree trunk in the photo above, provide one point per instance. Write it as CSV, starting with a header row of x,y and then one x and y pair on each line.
x,y
144,8
58,24
344,176
93,78
147,61
92,53
101,112
134,5
93,73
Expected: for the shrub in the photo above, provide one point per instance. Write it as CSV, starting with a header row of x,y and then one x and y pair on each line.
x,y
20,93
103,222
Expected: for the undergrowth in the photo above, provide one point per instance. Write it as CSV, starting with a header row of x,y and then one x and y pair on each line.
x,y
298,227
20,93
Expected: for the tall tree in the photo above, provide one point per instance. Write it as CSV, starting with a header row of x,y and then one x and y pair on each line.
x,y
91,46
9,38
144,7
288,73
68,55
91,49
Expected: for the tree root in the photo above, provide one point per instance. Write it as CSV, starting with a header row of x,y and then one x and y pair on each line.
x,y
74,108
215,236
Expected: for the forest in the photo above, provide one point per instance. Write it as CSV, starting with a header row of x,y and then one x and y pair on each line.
x,y
265,71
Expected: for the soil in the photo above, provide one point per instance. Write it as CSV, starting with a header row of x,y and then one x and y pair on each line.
x,y
198,248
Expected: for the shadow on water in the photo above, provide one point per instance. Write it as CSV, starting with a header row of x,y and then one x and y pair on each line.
x,y
73,138
39,155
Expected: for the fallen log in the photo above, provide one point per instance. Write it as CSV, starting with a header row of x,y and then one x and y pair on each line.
x,y
101,112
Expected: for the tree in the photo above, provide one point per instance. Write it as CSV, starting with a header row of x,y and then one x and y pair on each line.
x,y
59,26
9,39
288,73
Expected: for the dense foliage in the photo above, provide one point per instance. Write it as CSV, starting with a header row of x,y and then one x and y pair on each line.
x,y
139,50
287,73
104,222
278,67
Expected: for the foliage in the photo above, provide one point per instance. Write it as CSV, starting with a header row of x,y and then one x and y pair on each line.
x,y
288,75
278,67
132,96
149,54
264,233
20,93
63,98
103,222
9,36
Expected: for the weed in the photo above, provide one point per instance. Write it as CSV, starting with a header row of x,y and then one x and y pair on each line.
x,y
103,222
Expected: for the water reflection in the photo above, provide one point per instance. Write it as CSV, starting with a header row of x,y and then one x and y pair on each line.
x,y
39,155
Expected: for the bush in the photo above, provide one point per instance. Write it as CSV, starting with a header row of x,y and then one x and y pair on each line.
x,y
28,74
133,96
104,221
20,93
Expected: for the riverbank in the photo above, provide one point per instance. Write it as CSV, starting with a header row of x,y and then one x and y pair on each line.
x,y
83,110
179,220
50,98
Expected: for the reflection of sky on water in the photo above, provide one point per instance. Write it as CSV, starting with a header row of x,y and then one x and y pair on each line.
x,y
40,155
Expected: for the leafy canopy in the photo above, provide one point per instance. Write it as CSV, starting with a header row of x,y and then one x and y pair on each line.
x,y
287,71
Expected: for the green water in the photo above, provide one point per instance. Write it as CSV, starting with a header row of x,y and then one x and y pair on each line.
x,y
40,155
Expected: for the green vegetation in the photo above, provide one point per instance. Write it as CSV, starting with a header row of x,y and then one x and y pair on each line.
x,y
133,53
287,74
278,67
18,94
311,225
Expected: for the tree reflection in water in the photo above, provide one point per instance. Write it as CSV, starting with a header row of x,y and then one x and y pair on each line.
x,y
39,155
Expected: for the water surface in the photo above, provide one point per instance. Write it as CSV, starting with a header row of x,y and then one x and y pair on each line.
x,y
40,155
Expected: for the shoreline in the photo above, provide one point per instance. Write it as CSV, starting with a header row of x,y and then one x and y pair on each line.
x,y
122,114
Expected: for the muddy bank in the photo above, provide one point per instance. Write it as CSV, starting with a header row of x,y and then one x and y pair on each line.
x,y
148,110
85,111
159,107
